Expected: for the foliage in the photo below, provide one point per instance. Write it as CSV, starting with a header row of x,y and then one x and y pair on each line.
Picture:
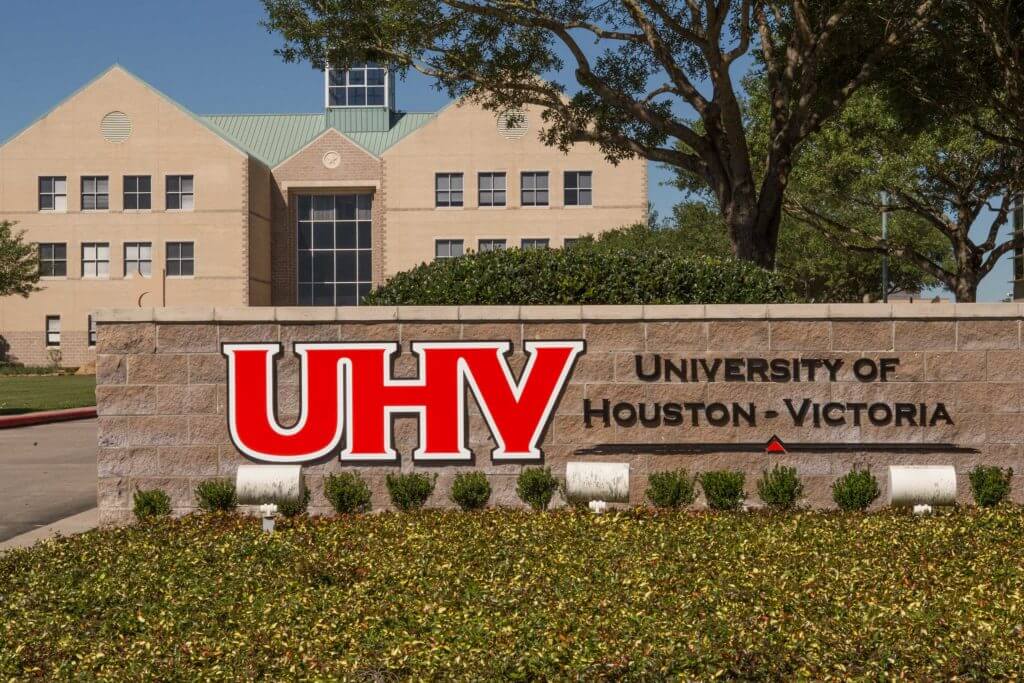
x,y
780,487
410,491
19,262
347,493
7,369
671,489
944,178
990,485
508,595
471,490
151,503
855,490
655,79
723,489
292,507
535,486
810,264
27,393
216,495
608,270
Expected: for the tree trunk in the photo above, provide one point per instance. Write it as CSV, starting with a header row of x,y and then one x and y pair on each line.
x,y
754,231
965,288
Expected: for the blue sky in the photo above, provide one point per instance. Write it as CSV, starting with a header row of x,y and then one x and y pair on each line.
x,y
213,57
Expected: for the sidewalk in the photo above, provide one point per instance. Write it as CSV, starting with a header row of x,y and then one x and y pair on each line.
x,y
68,526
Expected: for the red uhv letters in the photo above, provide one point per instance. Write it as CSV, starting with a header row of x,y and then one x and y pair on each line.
x,y
347,391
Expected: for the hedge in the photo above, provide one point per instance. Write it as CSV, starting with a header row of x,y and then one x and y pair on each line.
x,y
591,272
500,595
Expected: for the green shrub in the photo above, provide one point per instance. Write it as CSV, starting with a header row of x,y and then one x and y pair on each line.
x,y
674,489
216,495
410,491
780,488
294,508
990,485
151,503
347,493
592,272
855,490
471,490
723,489
535,486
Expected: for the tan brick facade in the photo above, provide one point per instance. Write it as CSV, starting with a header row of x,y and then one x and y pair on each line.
x,y
161,393
243,220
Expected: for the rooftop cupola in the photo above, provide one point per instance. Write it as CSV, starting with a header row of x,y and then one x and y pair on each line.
x,y
361,85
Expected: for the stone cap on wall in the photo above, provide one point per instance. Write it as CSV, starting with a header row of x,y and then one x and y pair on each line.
x,y
313,314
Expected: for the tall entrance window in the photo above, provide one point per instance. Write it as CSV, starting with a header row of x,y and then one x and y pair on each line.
x,y
335,255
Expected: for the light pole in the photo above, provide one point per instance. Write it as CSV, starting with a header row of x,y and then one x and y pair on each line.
x,y
885,245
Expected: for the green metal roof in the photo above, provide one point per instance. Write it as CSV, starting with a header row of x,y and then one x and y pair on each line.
x,y
272,138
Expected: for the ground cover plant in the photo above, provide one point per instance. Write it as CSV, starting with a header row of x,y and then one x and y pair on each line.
x,y
500,595
26,393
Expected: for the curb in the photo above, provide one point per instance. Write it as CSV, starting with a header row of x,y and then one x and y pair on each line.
x,y
46,417
75,524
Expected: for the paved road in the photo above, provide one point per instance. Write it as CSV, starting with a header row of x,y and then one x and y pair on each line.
x,y
47,472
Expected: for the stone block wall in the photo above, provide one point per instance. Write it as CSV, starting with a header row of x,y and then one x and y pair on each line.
x,y
161,389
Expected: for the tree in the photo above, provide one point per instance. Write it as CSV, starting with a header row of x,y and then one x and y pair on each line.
x,y
19,262
815,267
944,175
642,68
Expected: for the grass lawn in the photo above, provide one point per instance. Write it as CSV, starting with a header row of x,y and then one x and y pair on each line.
x,y
508,595
29,393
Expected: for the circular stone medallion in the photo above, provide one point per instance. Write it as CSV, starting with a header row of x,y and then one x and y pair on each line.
x,y
332,159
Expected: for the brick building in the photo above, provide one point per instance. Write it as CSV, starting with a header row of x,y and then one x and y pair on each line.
x,y
135,201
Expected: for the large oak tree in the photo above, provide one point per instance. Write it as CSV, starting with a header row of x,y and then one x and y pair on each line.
x,y
653,78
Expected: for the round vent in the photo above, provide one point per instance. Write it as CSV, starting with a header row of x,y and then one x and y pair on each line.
x,y
513,124
116,127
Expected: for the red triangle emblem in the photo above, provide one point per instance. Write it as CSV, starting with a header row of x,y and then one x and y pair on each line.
x,y
775,445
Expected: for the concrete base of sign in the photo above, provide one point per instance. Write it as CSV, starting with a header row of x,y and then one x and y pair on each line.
x,y
911,485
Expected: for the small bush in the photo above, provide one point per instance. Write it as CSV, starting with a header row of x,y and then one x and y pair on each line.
x,y
990,485
471,490
216,495
535,486
151,503
631,270
673,489
780,488
855,490
294,508
347,492
410,491
723,489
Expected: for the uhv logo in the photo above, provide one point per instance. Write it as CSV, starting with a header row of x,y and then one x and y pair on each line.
x,y
348,394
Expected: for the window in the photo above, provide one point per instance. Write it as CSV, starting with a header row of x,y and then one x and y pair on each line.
x,y
534,243
53,259
138,259
492,189
570,242
53,193
335,249
53,330
491,245
91,326
577,188
137,193
95,193
445,249
180,193
535,188
95,259
448,189
362,85
181,260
